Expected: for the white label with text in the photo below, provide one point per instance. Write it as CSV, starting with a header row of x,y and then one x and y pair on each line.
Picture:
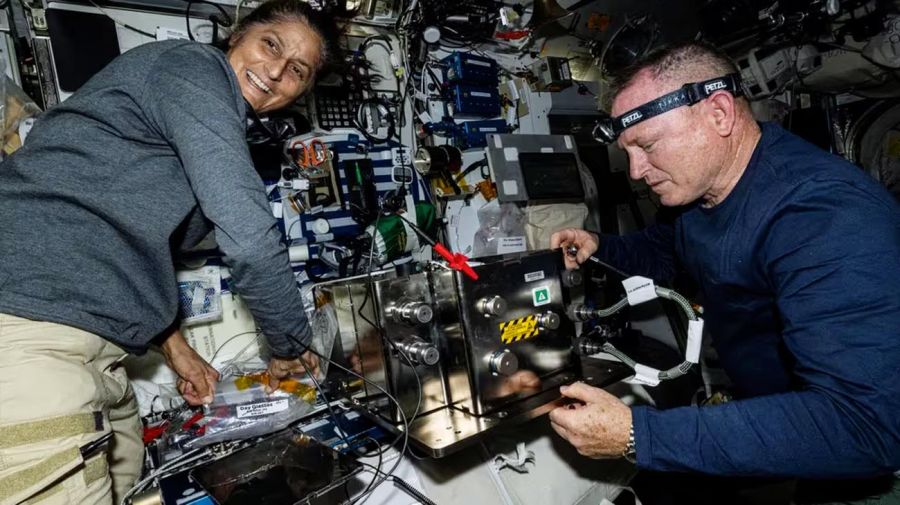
x,y
639,289
506,245
262,409
634,116
534,276
695,338
714,86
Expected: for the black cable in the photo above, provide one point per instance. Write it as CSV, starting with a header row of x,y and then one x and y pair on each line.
x,y
403,485
418,230
369,288
388,116
384,42
609,267
380,454
116,21
380,329
384,39
405,432
471,168
371,484
437,82
334,418
415,373
187,16
413,492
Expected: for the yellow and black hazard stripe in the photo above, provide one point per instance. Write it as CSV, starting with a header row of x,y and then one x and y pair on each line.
x,y
522,328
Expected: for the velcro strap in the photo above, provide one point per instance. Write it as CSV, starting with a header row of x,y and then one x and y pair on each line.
x,y
20,485
95,469
30,432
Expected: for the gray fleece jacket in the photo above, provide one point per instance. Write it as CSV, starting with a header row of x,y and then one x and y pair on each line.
x,y
139,162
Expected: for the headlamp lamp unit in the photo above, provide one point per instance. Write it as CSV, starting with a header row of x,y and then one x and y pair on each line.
x,y
608,129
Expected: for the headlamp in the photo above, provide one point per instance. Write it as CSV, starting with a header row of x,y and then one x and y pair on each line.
x,y
608,128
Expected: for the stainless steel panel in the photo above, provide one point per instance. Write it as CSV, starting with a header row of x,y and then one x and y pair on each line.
x,y
408,377
377,336
448,430
471,339
356,313
503,343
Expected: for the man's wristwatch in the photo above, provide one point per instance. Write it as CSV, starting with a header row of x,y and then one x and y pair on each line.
x,y
630,453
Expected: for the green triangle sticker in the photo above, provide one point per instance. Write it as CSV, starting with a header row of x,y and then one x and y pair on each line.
x,y
540,296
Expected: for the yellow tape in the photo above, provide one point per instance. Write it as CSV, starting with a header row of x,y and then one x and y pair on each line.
x,y
518,329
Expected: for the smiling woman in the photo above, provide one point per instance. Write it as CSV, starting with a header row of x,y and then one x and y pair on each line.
x,y
277,50
122,196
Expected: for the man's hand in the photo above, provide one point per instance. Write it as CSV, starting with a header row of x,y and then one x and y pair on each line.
x,y
281,368
586,242
196,378
597,425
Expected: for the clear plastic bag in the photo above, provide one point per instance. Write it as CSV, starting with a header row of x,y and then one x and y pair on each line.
x,y
200,295
242,409
324,325
501,231
17,113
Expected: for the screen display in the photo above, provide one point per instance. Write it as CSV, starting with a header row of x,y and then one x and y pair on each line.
x,y
551,176
83,43
283,469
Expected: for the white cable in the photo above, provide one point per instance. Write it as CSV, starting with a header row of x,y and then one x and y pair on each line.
x,y
188,457
494,473
237,14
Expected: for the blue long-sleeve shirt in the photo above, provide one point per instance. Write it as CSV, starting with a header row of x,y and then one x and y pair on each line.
x,y
799,269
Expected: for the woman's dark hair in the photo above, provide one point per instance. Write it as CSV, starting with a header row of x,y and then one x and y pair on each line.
x,y
279,11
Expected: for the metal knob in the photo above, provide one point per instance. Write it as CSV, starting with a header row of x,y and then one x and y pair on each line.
x,y
504,363
588,347
412,313
579,313
572,278
419,352
491,306
549,321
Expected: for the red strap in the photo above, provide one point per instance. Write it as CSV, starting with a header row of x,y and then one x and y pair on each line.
x,y
457,261
512,35
193,420
151,433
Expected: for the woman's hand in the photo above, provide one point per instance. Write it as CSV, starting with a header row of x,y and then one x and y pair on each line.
x,y
196,378
281,368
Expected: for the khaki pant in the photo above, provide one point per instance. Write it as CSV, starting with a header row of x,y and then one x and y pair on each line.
x,y
60,389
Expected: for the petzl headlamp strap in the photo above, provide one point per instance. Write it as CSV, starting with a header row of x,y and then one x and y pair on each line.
x,y
689,94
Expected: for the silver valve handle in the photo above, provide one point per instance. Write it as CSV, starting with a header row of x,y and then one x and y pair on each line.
x,y
491,306
579,313
503,363
549,321
419,352
412,313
